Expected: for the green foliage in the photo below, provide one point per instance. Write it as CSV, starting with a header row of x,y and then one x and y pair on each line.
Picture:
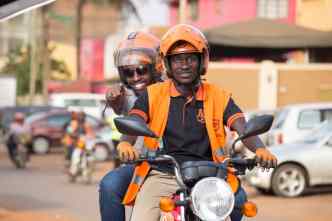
x,y
18,64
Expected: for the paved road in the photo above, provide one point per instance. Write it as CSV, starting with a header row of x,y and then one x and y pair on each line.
x,y
43,187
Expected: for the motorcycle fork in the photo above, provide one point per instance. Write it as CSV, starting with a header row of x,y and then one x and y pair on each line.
x,y
182,209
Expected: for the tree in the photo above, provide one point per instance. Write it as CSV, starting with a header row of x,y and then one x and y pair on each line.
x,y
119,4
18,64
45,52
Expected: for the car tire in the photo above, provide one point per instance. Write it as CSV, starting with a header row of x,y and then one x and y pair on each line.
x,y
101,152
289,180
40,145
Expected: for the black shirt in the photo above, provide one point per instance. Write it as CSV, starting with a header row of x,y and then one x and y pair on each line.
x,y
185,136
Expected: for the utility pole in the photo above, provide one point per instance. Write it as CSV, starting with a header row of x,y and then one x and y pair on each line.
x,y
183,11
79,17
33,60
45,51
5,36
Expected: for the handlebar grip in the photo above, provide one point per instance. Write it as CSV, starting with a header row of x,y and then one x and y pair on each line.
x,y
158,159
244,163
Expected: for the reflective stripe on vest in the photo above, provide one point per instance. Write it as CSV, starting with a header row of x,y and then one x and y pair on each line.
x,y
141,171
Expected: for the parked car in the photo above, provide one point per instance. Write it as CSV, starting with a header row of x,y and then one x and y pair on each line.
x,y
47,129
232,135
295,121
8,112
301,164
92,104
104,144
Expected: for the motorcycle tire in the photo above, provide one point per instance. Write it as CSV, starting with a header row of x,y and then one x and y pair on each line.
x,y
72,178
87,175
19,163
21,158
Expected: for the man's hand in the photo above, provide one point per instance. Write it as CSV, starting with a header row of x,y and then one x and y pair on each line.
x,y
127,152
265,158
114,93
115,98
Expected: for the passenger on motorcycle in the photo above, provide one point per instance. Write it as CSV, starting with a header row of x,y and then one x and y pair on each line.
x,y
18,132
190,116
138,64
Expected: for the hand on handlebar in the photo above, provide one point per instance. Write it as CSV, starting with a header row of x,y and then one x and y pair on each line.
x,y
265,158
127,152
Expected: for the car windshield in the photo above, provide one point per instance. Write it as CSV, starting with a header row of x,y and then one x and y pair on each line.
x,y
81,103
34,117
318,133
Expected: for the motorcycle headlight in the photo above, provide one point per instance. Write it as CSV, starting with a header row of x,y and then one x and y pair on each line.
x,y
212,199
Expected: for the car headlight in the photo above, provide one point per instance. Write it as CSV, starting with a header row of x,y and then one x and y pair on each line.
x,y
212,199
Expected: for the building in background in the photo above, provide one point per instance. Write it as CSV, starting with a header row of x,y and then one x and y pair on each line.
x,y
316,14
213,13
238,53
243,34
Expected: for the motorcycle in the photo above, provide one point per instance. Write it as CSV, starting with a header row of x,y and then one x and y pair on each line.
x,y
82,160
18,152
192,202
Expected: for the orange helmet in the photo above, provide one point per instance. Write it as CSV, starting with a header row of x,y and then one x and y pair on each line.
x,y
184,38
136,49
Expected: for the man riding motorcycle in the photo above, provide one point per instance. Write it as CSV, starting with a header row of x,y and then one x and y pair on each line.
x,y
138,64
190,116
77,128
68,139
18,132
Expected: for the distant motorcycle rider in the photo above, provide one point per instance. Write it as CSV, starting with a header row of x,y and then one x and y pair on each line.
x,y
68,140
77,128
18,132
138,63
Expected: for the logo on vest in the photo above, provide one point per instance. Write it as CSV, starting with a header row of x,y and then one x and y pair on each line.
x,y
200,116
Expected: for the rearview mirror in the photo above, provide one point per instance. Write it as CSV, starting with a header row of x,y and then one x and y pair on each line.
x,y
133,126
257,125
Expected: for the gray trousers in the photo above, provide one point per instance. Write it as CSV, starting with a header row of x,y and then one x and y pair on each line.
x,y
156,185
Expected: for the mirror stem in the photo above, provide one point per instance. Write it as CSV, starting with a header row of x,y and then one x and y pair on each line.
x,y
234,143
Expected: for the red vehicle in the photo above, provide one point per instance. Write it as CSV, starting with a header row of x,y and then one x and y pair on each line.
x,y
47,129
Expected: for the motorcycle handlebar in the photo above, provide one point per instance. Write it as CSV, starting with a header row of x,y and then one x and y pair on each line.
x,y
238,163
249,163
241,165
164,158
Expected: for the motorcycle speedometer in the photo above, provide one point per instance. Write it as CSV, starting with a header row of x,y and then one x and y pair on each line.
x,y
212,199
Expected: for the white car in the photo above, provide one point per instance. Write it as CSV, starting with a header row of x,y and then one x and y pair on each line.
x,y
232,135
301,164
92,104
293,122
104,144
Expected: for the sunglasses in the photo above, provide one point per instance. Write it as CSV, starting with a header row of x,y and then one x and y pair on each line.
x,y
139,70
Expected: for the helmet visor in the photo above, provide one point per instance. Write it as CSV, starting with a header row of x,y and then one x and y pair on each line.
x,y
140,56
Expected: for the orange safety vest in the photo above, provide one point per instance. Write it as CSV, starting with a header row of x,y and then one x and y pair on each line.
x,y
68,140
215,101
